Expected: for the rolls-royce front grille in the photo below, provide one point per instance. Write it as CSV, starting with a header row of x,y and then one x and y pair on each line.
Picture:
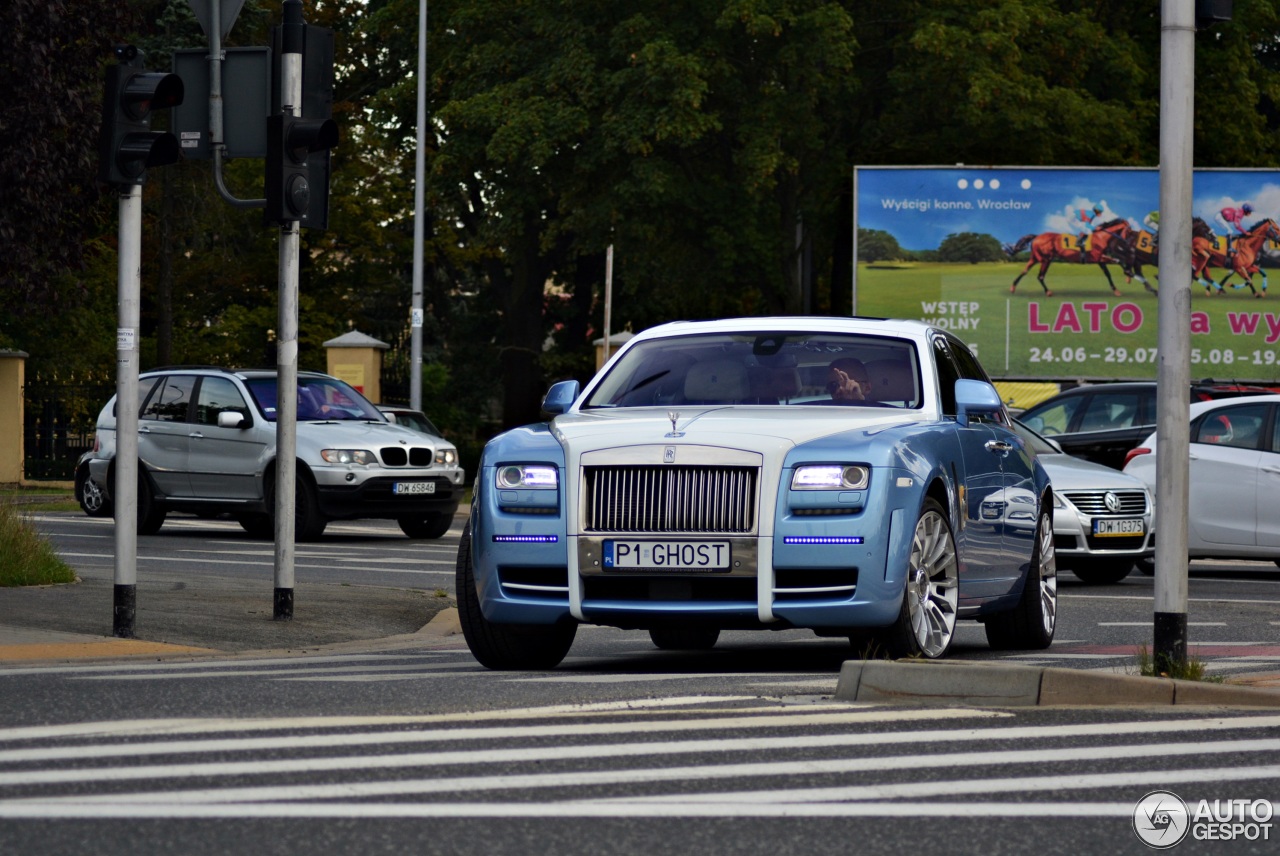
x,y
1094,502
670,499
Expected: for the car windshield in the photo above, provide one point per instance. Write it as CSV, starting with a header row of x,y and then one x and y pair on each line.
x,y
413,420
319,399
1039,445
763,368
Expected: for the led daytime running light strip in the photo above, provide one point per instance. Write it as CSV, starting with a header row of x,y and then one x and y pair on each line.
x,y
822,539
526,539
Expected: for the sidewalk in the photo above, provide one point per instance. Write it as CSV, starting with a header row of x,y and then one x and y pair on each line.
x,y
183,614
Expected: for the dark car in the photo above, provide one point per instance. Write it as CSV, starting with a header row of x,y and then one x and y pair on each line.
x,y
1101,423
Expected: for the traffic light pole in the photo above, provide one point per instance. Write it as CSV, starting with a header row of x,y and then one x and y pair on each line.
x,y
292,36
1177,97
125,490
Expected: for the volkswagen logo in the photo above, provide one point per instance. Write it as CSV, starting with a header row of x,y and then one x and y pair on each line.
x,y
1112,502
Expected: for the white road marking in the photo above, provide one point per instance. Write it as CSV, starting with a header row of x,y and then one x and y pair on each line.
x,y
216,664
166,727
518,755
699,773
1149,624
280,673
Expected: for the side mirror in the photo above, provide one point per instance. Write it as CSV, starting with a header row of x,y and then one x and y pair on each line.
x,y
561,396
976,396
233,419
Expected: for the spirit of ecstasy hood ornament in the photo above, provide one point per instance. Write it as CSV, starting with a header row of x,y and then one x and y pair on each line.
x,y
673,416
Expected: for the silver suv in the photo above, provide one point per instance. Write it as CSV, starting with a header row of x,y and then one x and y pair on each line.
x,y
207,444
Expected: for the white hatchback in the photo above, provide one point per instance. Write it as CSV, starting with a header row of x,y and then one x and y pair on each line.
x,y
1234,478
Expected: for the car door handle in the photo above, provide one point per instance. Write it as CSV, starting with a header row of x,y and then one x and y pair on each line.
x,y
1270,469
196,435
1000,446
143,429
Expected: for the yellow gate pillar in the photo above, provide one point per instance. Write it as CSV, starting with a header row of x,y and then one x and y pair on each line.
x,y
12,381
357,359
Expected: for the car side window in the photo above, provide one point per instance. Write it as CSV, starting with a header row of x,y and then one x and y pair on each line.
x,y
1054,418
170,401
970,369
948,374
1106,412
1239,427
218,395
969,366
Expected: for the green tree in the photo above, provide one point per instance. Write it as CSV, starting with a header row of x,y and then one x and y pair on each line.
x,y
50,218
970,247
876,245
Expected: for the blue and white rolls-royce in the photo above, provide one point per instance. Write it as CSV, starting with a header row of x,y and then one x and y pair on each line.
x,y
847,475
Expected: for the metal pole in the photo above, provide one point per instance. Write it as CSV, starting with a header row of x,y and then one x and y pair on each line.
x,y
419,194
1177,101
217,56
292,35
608,298
125,490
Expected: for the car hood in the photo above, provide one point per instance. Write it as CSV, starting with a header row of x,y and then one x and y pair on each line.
x,y
354,432
1071,473
764,429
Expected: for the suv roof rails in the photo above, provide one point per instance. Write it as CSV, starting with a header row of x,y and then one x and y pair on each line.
x,y
185,368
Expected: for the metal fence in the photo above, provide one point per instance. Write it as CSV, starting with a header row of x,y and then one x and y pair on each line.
x,y
58,424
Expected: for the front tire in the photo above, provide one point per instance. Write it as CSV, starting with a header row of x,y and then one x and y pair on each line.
x,y
1030,625
308,522
505,647
685,638
431,526
927,620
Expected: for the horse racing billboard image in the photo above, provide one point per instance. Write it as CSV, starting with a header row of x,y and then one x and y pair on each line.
x,y
1052,273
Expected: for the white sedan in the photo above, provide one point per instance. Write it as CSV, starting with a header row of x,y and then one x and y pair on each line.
x,y
1102,518
1234,478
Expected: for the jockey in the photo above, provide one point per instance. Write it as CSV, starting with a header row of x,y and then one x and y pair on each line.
x,y
1086,216
1233,218
1152,222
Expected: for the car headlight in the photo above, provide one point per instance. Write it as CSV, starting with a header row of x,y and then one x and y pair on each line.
x,y
531,476
830,477
447,457
348,456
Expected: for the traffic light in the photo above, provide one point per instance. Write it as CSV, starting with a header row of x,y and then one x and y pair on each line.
x,y
127,145
291,141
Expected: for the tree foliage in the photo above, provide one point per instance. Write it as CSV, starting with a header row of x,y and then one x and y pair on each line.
x,y
711,144
970,247
876,245
49,118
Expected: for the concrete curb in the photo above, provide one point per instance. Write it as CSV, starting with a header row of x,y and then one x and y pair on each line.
x,y
925,682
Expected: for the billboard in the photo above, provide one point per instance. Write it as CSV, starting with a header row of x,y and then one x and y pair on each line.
x,y
1052,273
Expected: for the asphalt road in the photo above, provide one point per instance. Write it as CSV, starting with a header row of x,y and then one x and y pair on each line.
x,y
205,583
350,731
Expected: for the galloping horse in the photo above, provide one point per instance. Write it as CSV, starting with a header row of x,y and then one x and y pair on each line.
x,y
1049,247
1241,259
1144,248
